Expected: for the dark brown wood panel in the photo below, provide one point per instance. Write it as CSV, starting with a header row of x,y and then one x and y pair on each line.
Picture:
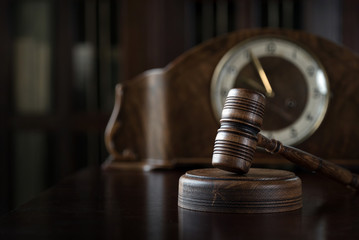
x,y
350,19
151,33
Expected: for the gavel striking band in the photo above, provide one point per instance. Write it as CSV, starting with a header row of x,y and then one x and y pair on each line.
x,y
238,136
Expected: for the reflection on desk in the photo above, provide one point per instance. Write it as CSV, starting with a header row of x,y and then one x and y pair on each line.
x,y
143,205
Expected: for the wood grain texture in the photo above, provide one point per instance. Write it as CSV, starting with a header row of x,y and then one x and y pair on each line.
x,y
310,162
166,116
238,138
259,191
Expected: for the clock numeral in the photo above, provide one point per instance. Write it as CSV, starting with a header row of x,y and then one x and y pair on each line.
x,y
311,71
293,133
316,93
271,47
309,117
224,93
247,54
232,70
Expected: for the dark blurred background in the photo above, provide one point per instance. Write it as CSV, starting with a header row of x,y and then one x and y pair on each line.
x,y
61,59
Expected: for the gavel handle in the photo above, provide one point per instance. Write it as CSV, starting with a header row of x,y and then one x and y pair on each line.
x,y
310,161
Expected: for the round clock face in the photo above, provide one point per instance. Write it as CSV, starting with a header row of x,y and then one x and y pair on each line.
x,y
293,80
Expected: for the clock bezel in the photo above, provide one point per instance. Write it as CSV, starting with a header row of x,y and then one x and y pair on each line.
x,y
215,92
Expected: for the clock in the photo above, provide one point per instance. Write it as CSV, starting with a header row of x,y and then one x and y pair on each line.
x,y
170,116
299,88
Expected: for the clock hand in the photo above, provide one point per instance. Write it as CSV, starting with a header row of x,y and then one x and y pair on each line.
x,y
252,83
262,75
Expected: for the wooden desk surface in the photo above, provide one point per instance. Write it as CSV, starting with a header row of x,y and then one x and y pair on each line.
x,y
143,205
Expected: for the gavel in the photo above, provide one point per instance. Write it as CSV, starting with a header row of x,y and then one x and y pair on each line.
x,y
239,135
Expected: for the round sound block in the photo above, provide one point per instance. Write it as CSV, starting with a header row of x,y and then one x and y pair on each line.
x,y
258,191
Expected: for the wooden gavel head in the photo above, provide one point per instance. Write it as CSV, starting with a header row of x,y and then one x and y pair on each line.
x,y
234,149
236,139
